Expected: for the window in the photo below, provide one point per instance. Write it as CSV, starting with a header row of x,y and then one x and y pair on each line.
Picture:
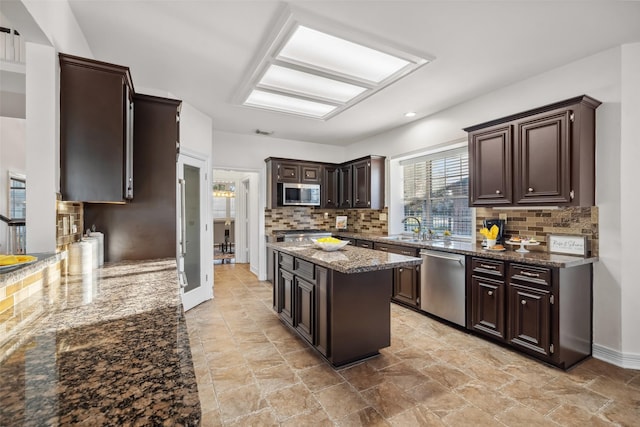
x,y
436,190
17,197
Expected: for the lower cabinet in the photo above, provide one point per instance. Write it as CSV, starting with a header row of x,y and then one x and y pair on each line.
x,y
406,280
544,312
345,317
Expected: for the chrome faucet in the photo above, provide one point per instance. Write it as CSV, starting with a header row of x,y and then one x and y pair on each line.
x,y
417,220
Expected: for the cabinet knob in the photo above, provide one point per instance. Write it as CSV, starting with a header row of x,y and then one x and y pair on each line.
x,y
530,190
523,302
329,200
400,270
498,191
490,293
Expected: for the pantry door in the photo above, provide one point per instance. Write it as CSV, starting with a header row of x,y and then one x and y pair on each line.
x,y
195,273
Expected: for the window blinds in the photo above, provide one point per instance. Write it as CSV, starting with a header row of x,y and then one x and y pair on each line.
x,y
436,190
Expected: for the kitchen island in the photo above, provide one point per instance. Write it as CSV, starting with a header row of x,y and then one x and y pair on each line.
x,y
339,302
111,348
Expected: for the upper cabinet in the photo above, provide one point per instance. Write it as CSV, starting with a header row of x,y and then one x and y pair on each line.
x,y
355,184
96,131
542,157
368,182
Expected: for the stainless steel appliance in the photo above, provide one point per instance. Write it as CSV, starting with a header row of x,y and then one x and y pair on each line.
x,y
298,194
442,285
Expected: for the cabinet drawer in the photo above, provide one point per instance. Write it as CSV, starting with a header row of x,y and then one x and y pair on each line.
x,y
364,244
402,250
530,274
487,266
304,269
286,261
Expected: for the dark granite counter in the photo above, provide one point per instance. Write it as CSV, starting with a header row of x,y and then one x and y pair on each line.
x,y
464,248
347,260
111,349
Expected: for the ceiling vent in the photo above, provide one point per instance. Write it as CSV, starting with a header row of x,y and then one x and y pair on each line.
x,y
314,68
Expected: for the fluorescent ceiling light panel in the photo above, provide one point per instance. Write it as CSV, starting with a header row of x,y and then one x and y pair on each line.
x,y
327,52
306,71
295,81
274,101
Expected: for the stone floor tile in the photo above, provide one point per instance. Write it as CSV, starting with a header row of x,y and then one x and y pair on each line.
x,y
388,399
367,417
240,402
275,378
340,400
318,377
292,401
362,376
469,416
316,417
417,416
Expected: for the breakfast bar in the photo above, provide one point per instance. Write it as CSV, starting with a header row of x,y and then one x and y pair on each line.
x,y
337,301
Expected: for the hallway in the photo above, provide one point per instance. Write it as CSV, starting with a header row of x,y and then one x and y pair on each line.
x,y
252,370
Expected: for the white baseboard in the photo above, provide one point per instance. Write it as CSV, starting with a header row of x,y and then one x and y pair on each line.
x,y
623,360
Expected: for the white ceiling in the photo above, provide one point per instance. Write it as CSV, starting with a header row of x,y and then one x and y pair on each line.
x,y
200,51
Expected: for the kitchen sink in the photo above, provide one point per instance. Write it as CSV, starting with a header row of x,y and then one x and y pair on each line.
x,y
403,238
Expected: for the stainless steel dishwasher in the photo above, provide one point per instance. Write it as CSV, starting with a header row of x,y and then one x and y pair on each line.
x,y
442,285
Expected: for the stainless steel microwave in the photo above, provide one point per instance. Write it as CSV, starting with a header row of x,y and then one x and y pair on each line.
x,y
298,194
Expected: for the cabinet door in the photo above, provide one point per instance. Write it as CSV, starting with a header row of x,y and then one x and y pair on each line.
x,y
305,308
94,130
286,287
361,184
329,187
530,313
543,159
490,166
488,306
288,172
367,244
310,173
345,182
405,285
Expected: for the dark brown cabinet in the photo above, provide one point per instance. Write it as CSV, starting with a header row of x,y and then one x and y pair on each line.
x,y
406,280
490,165
345,317
355,184
145,227
488,298
543,159
329,189
305,308
368,183
345,186
367,244
542,311
96,131
540,157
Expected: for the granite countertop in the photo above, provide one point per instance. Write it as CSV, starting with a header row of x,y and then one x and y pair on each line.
x,y
111,349
11,274
534,257
349,259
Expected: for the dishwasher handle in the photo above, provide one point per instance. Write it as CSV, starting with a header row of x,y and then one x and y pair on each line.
x,y
448,258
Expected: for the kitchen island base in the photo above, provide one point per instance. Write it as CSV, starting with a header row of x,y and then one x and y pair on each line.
x,y
345,316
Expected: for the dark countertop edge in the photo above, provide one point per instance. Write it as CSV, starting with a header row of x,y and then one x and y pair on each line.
x,y
473,249
400,260
21,271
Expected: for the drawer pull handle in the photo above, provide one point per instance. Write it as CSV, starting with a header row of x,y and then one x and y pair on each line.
x,y
530,190
523,302
407,253
526,273
490,267
490,293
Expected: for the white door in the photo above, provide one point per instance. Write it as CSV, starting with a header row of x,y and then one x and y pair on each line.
x,y
194,270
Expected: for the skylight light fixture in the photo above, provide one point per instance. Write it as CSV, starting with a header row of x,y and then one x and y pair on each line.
x,y
308,70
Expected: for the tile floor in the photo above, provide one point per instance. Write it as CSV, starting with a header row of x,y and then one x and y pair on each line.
x,y
252,371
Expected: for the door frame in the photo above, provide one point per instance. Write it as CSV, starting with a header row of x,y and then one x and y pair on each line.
x,y
205,291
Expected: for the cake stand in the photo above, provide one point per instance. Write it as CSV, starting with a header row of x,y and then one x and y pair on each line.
x,y
522,244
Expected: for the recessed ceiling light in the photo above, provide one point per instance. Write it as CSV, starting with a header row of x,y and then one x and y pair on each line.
x,y
307,70
410,114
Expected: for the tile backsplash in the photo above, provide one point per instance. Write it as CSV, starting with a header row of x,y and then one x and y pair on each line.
x,y
540,222
295,218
